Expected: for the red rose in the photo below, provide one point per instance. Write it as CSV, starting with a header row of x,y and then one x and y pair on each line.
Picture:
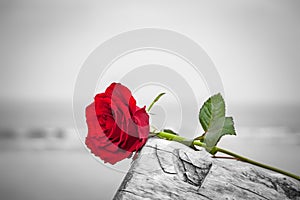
x,y
116,126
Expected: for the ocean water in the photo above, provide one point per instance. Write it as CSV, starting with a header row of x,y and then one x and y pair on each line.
x,y
42,157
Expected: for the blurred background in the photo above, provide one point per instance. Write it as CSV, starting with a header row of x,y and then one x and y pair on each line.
x,y
254,45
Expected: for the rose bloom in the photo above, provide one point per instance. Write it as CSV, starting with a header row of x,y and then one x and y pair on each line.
x,y
116,126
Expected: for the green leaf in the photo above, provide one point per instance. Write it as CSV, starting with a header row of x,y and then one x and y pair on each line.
x,y
228,128
212,110
213,121
155,100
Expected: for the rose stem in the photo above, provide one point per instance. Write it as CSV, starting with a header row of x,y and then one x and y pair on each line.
x,y
225,157
216,149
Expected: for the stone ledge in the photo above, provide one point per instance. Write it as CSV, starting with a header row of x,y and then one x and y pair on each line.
x,y
170,170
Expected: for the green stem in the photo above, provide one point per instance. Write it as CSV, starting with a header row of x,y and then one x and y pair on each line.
x,y
170,136
216,149
247,160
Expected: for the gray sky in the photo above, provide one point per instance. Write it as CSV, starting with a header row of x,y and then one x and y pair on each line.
x,y
255,45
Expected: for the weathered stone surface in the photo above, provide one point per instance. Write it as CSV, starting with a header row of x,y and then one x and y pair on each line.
x,y
170,170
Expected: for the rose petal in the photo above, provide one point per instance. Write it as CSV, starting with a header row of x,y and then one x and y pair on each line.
x,y
116,126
